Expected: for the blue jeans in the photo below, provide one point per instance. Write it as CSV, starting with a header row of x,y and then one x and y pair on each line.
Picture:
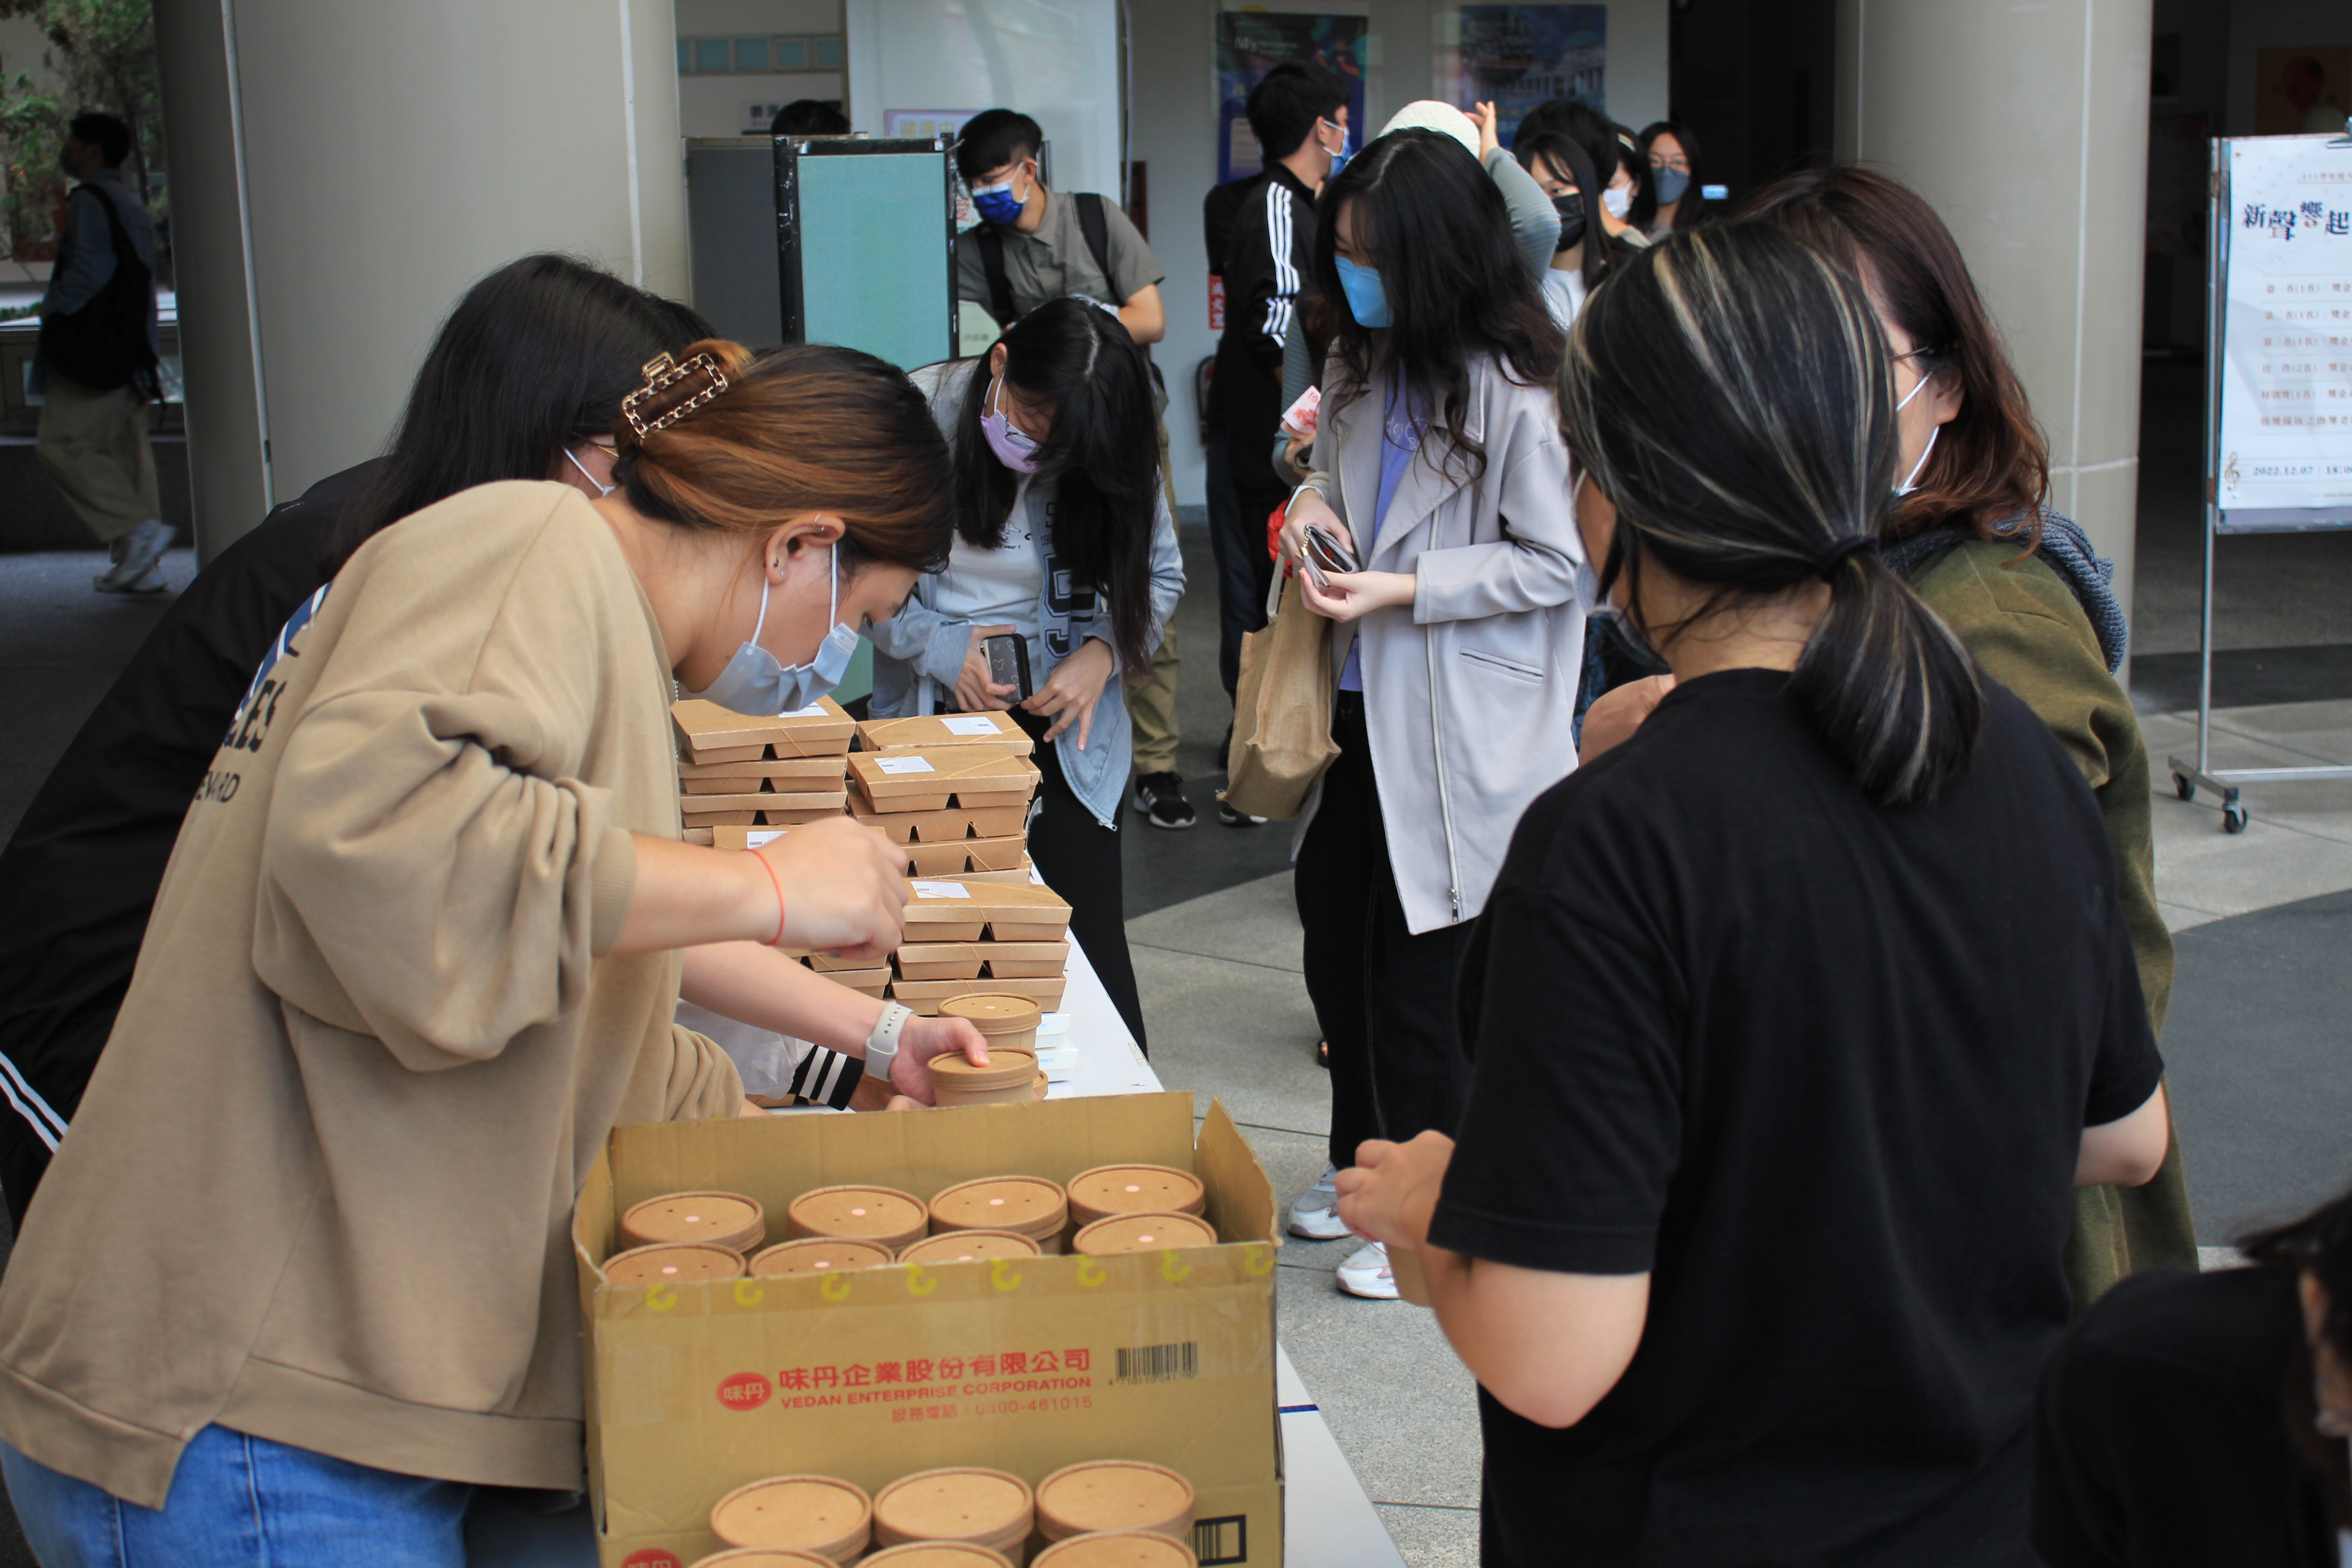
x,y
245,1502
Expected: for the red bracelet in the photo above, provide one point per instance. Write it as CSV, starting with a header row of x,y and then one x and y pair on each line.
x,y
778,940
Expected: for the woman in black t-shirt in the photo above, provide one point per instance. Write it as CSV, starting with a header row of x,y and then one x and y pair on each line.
x,y
2201,1418
1835,929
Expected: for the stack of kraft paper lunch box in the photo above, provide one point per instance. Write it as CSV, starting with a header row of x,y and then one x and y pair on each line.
x,y
951,793
739,770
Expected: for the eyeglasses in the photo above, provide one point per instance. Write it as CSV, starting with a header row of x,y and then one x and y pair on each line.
x,y
1674,161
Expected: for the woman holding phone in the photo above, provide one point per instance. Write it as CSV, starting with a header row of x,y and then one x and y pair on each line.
x,y
1457,645
1063,542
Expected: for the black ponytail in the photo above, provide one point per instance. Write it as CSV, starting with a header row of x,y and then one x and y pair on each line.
x,y
1731,393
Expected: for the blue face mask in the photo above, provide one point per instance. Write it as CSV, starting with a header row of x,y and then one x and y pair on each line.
x,y
757,682
1366,301
997,204
1339,159
1669,185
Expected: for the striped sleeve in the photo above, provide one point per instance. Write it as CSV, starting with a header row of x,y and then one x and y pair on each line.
x,y
1282,240
825,1078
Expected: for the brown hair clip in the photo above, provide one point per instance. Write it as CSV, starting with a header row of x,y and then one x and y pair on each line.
x,y
662,373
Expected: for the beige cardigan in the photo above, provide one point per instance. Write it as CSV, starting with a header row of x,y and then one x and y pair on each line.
x,y
319,1187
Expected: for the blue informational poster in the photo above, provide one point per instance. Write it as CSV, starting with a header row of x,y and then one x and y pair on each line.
x,y
1517,57
1251,43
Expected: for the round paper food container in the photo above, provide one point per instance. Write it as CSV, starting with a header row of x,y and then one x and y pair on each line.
x,y
1029,1204
724,1219
1114,1494
970,1247
1115,1549
987,1508
883,1216
819,1514
673,1263
819,1255
1009,1067
939,1554
1107,1190
997,1016
763,1557
1143,1232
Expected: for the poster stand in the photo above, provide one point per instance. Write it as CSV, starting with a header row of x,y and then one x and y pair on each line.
x,y
2219,386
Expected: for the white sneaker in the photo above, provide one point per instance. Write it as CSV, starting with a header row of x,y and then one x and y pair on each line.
x,y
142,548
1366,1273
1315,1213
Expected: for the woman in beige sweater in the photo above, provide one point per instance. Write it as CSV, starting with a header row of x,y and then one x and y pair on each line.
x,y
300,1271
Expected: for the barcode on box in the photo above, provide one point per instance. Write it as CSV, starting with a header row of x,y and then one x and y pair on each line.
x,y
1222,1540
1159,1363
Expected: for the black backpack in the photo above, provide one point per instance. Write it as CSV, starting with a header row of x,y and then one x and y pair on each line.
x,y
104,344
1097,229
1091,223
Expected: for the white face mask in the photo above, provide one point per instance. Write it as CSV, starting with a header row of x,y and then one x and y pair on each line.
x,y
1911,479
602,489
1618,200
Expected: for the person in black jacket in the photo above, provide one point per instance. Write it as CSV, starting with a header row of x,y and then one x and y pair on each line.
x,y
525,377
1299,115
2191,1419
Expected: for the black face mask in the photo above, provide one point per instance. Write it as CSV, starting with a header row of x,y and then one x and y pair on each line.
x,y
1571,209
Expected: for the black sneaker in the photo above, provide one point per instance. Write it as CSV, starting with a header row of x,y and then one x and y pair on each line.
x,y
1232,818
1160,798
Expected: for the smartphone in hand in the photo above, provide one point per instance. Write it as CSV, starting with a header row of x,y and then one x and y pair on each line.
x,y
1008,662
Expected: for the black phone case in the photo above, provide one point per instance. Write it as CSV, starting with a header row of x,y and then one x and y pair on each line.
x,y
1008,663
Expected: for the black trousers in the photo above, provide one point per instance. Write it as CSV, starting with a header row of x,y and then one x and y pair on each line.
x,y
1383,997
1079,858
1245,569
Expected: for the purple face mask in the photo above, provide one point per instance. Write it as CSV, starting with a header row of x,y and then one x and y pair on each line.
x,y
1016,449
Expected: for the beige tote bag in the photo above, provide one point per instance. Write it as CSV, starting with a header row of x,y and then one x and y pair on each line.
x,y
1281,712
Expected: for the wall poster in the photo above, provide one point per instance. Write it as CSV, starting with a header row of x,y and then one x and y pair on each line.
x,y
1252,43
2286,377
1519,56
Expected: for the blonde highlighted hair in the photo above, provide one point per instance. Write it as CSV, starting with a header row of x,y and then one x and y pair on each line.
x,y
1730,392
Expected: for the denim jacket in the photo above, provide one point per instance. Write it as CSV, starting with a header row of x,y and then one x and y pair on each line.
x,y
919,653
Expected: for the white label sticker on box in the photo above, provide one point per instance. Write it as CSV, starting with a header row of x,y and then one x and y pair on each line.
x,y
972,724
756,839
813,710
941,890
904,765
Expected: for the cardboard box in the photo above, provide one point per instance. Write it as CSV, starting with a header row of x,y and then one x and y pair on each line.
x,y
1023,960
789,775
1012,910
923,731
694,1390
710,733
812,804
705,836
974,777
924,996
960,858
938,961
936,826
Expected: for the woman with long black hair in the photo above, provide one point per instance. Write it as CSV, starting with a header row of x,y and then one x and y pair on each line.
x,y
1752,1235
1457,648
1062,538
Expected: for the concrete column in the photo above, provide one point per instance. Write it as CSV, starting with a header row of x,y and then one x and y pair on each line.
x,y
341,172
2026,126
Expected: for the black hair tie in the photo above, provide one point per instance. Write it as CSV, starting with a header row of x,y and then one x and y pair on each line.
x,y
1840,551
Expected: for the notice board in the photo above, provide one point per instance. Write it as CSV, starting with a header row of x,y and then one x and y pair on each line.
x,y
2282,324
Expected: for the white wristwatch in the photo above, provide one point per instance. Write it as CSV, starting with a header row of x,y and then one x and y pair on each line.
x,y
882,1044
